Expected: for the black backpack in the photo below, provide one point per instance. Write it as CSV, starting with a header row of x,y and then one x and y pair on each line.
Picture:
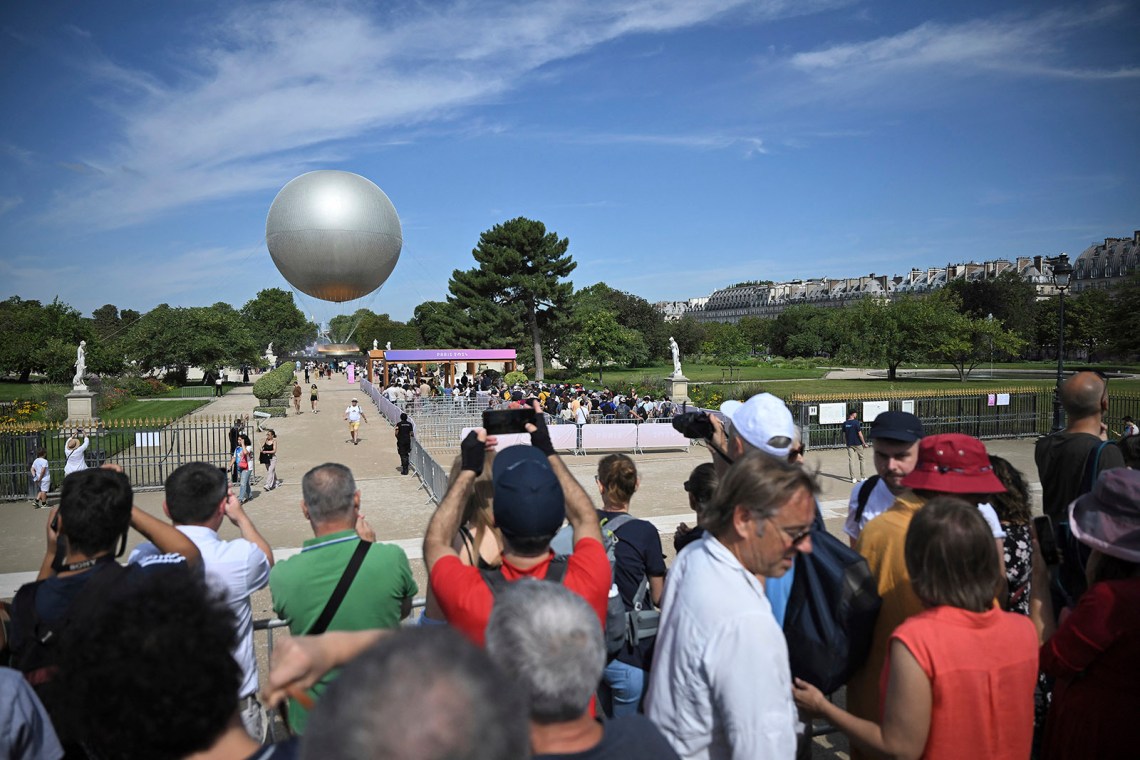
x,y
864,495
831,613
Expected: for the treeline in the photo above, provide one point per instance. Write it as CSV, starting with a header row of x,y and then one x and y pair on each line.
x,y
518,295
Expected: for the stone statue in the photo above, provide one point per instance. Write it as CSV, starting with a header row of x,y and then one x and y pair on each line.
x,y
80,367
388,346
375,344
676,357
270,358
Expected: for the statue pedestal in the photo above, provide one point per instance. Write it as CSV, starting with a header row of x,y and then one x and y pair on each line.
x,y
679,389
80,404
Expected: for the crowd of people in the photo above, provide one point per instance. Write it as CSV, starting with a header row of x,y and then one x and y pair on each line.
x,y
555,629
562,402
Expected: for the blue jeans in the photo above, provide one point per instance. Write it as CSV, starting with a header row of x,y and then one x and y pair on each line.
x,y
622,688
243,489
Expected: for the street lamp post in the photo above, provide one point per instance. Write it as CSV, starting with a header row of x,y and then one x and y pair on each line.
x,y
1062,271
990,319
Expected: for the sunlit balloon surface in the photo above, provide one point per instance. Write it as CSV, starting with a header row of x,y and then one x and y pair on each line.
x,y
333,235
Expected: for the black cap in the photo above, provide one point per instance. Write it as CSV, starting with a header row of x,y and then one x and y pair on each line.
x,y
897,426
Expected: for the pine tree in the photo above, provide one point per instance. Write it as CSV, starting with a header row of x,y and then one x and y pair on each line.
x,y
518,290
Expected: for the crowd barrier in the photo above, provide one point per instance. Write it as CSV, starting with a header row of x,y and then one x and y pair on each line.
x,y
605,436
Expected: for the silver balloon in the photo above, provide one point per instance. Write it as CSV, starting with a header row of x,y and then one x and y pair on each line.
x,y
333,235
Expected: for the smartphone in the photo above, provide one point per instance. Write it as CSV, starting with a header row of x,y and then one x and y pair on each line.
x,y
1047,539
506,421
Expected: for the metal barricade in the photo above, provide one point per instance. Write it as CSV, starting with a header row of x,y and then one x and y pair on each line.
x,y
148,450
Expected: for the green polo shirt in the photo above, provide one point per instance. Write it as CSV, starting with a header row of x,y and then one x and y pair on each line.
x,y
302,585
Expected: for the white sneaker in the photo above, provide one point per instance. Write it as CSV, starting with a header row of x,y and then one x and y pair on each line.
x,y
853,480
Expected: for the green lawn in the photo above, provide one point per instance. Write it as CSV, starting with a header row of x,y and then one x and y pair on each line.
x,y
133,410
11,391
696,373
196,391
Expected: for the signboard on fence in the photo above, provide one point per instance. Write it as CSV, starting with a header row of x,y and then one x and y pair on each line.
x,y
148,440
832,414
872,409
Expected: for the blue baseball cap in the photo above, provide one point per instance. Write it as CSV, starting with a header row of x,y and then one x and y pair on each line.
x,y
897,426
528,497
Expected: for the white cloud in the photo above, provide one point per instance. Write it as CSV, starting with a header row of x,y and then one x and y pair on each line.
x,y
1010,44
9,202
279,88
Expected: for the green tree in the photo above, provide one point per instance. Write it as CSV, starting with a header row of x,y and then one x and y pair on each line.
x,y
176,338
967,341
105,321
1124,316
632,312
273,317
30,327
601,340
1007,296
517,290
438,323
689,334
346,327
757,331
383,329
893,332
806,330
727,346
1087,321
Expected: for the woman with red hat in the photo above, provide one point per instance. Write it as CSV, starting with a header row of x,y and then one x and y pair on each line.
x,y
959,677
949,463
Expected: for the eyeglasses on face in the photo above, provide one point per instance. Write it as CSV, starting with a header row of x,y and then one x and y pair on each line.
x,y
795,538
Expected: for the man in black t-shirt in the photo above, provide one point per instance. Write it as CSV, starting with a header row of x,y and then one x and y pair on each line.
x,y
1063,464
405,431
1061,457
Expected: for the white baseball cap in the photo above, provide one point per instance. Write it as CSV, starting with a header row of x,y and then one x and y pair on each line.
x,y
764,422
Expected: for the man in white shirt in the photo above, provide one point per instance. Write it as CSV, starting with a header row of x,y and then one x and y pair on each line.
x,y
720,686
894,439
198,498
354,414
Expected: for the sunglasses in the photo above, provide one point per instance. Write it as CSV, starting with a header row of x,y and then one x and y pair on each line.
x,y
795,538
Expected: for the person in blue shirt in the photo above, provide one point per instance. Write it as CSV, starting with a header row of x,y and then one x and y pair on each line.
x,y
853,437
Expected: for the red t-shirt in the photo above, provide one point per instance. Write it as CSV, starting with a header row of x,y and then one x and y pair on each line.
x,y
466,599
982,668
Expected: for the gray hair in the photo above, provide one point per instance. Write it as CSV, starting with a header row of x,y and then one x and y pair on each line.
x,y
758,482
548,640
328,491
419,694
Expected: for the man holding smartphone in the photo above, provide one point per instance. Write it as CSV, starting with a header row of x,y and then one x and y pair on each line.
x,y
533,492
198,500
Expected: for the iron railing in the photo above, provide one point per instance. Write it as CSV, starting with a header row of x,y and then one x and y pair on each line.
x,y
1016,412
148,450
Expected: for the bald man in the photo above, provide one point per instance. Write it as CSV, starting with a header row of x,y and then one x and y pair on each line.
x,y
1061,456
1062,459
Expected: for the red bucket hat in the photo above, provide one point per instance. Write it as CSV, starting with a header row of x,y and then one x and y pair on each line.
x,y
953,463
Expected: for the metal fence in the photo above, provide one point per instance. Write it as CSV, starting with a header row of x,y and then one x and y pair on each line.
x,y
148,450
1017,412
432,474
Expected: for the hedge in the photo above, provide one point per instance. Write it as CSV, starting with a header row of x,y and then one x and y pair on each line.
x,y
274,384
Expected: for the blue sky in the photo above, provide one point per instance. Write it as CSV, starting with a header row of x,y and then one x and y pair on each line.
x,y
681,145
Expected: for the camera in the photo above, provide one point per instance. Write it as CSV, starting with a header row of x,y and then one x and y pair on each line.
x,y
693,424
